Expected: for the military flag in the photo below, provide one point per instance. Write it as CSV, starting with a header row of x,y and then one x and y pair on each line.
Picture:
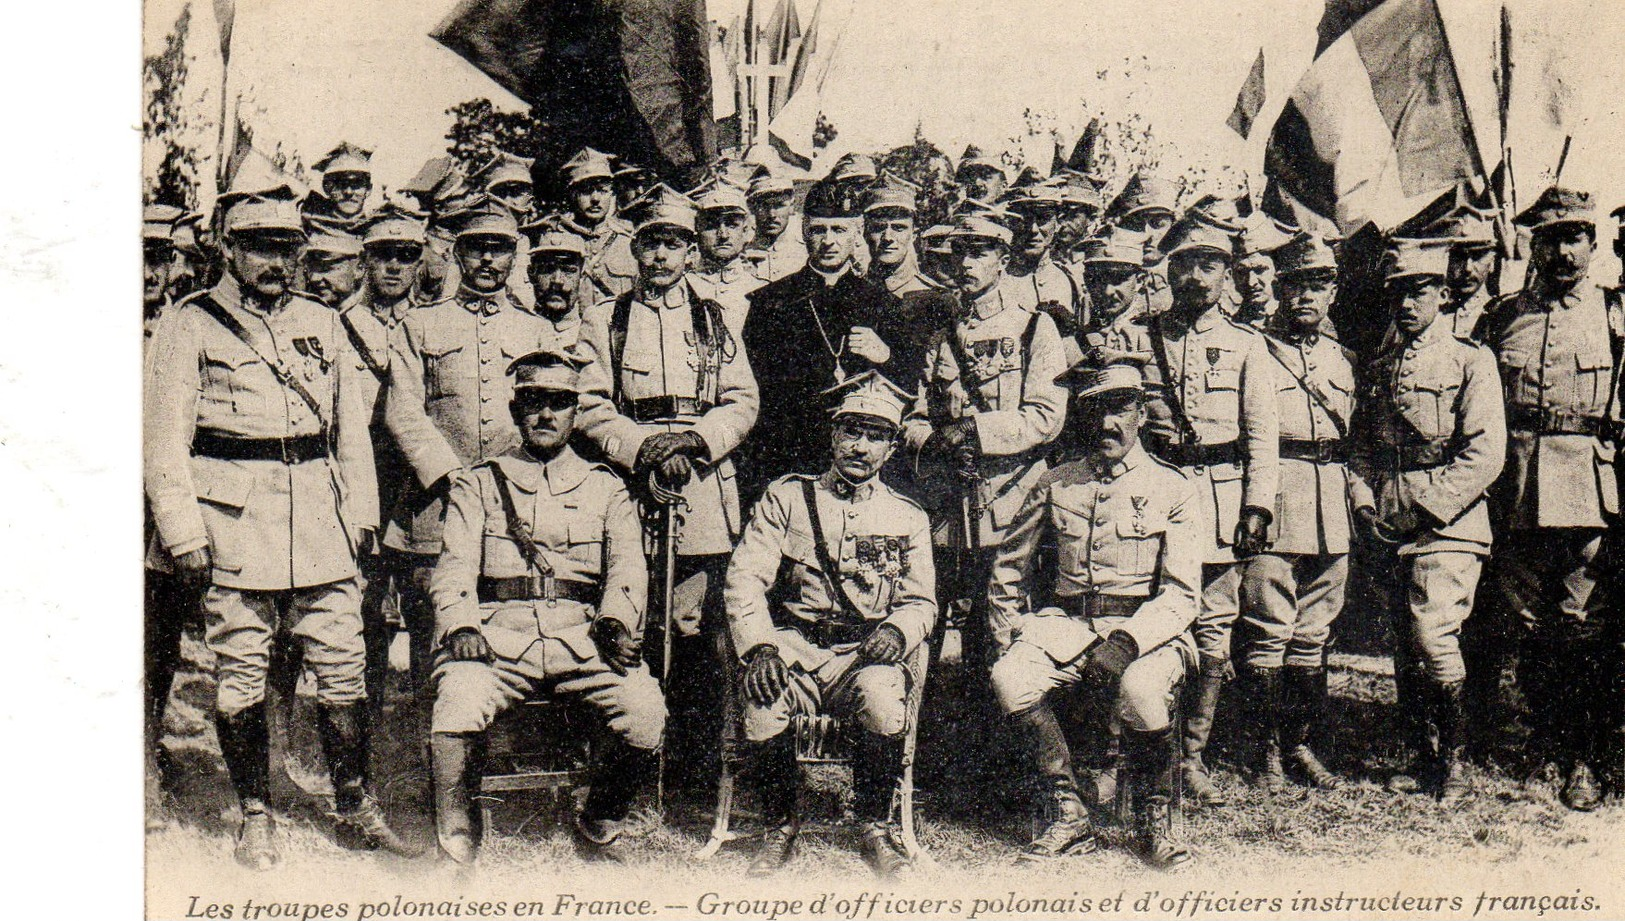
x,y
1249,100
1378,125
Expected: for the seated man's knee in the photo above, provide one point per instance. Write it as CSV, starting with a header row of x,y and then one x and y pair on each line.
x,y
762,723
1144,696
467,698
1014,678
879,693
640,720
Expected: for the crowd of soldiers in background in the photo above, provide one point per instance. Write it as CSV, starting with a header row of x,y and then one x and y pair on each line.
x,y
876,415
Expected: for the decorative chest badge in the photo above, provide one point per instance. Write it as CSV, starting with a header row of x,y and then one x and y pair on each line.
x,y
1138,522
883,557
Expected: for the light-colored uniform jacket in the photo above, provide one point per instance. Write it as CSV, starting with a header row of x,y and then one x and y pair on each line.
x,y
447,403
610,268
879,542
1132,532
583,524
1224,378
1026,409
1312,507
1430,433
269,525
662,359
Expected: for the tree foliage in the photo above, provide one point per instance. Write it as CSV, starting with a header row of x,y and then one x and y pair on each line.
x,y
168,130
479,129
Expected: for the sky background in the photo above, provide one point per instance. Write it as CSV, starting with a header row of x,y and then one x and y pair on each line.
x,y
314,72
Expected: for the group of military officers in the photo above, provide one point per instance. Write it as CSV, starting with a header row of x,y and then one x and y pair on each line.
x,y
1116,445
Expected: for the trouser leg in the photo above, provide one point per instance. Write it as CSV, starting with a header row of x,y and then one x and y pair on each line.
x,y
411,573
169,601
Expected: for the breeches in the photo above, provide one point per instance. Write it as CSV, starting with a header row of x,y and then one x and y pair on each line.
x,y
1221,602
873,695
241,624
1439,590
1288,604
1145,695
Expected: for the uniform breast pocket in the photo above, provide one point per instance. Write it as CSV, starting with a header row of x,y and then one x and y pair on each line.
x,y
1593,373
1139,543
1434,409
586,543
440,371
798,547
1072,529
1222,379
229,381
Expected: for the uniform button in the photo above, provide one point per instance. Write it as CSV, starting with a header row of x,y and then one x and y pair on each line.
x,y
1099,545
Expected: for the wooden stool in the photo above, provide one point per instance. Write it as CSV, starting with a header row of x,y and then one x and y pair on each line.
x,y
536,746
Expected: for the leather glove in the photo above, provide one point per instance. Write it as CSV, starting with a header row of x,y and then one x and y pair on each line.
x,y
884,646
1366,517
1252,531
1109,660
195,566
674,472
615,644
766,676
656,448
466,644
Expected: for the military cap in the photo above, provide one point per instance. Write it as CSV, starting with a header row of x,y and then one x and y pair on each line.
x,y
330,237
934,239
1618,214
979,226
721,195
1556,206
870,394
1114,249
1406,257
345,158
1036,196
824,200
1196,232
1078,189
274,210
975,158
556,239
853,167
1219,210
663,206
588,164
185,234
1144,192
1305,254
1261,233
485,217
976,206
625,169
158,223
394,223
892,192
547,369
429,176
1087,381
503,168
766,183
1465,227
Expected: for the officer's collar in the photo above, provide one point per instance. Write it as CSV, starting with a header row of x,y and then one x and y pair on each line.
x,y
844,490
1544,296
675,296
989,303
484,302
901,275
561,474
388,314
1135,456
229,293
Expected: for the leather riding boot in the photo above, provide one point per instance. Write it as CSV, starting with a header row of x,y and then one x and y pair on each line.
x,y
1153,770
452,756
777,779
1415,715
1201,706
245,744
1304,705
361,823
1067,828
619,772
1450,715
877,767
1106,777
1265,701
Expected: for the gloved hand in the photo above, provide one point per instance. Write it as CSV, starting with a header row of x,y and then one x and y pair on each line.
x,y
1366,517
958,440
195,566
657,448
615,644
1109,660
675,471
1252,531
766,676
466,644
884,646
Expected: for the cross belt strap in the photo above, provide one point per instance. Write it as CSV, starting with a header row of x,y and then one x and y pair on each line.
x,y
521,533
825,561
285,377
1306,385
1176,404
361,348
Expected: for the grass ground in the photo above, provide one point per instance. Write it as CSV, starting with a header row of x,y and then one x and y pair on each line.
x,y
1510,834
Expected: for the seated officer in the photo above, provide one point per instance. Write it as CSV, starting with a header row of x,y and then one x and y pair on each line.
x,y
837,644
1124,529
540,589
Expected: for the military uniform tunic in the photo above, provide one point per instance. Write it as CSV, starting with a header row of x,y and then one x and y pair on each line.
x,y
729,285
1429,440
778,593
1291,593
586,530
609,267
1126,557
786,256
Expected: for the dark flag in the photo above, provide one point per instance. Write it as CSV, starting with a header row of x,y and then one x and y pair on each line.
x,y
1249,100
628,77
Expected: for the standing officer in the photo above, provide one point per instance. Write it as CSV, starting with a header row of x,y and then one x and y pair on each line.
x,y
332,262
1558,344
588,179
1115,277
889,209
556,260
1293,591
667,395
829,592
540,589
1218,422
1471,233
778,250
992,409
1145,208
1257,248
1033,275
259,472
447,398
810,330
1429,441
631,183
1120,534
981,177
507,179
157,263
346,182
723,229
192,266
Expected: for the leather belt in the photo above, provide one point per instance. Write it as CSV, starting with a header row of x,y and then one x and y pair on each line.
x,y
537,588
1412,457
1181,454
1542,421
1095,605
296,450
655,409
1315,450
836,633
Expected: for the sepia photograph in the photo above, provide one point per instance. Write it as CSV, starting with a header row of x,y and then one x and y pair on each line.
x,y
845,459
